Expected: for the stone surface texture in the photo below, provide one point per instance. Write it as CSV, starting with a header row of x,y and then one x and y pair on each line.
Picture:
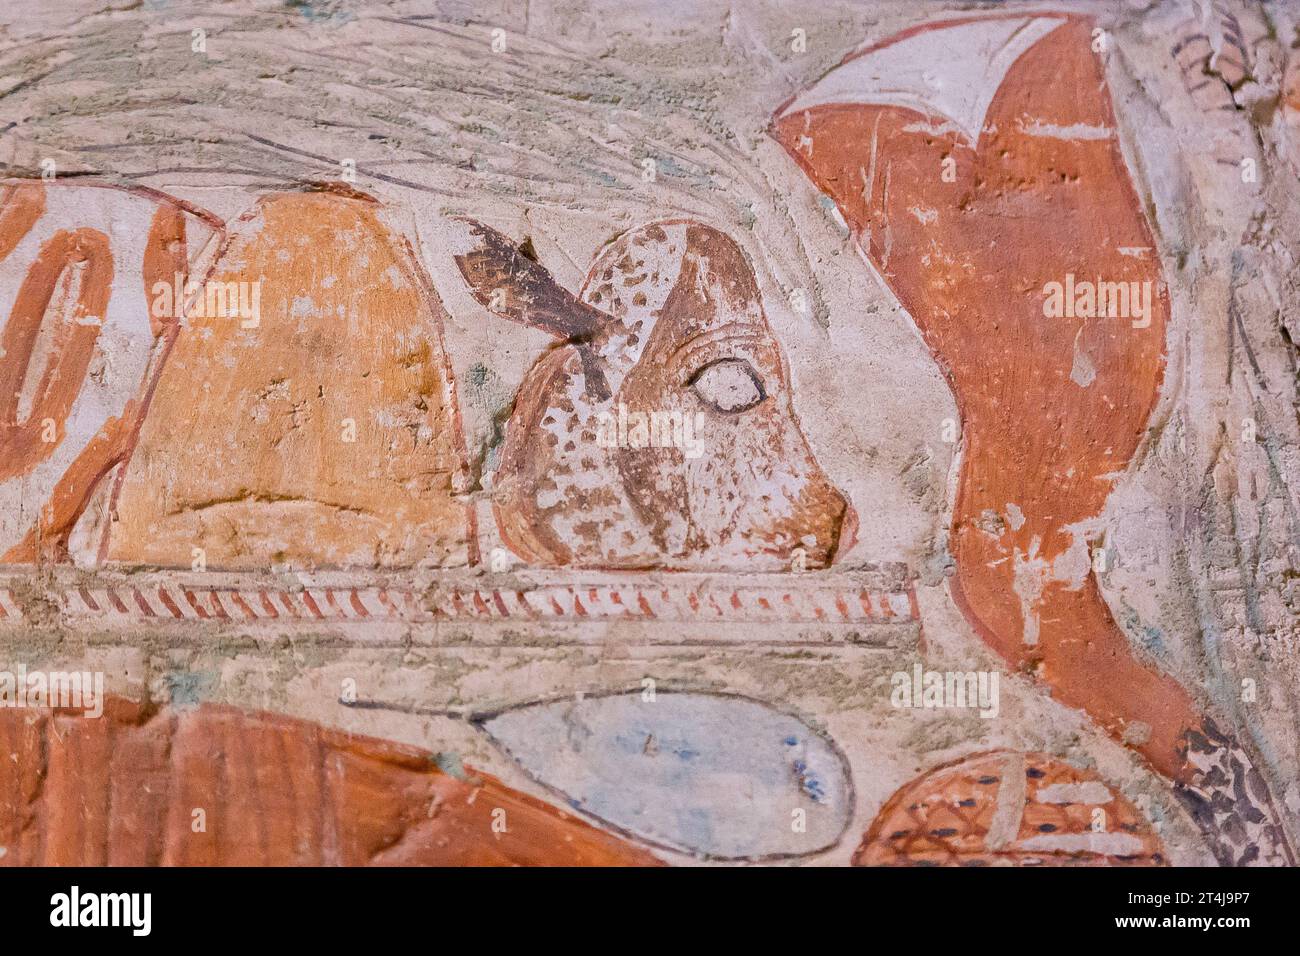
x,y
570,432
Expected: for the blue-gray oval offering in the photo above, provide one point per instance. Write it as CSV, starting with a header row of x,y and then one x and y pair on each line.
x,y
713,775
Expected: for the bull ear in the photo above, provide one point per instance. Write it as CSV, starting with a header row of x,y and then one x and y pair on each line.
x,y
513,286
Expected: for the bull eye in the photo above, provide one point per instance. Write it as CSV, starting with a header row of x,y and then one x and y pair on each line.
x,y
729,385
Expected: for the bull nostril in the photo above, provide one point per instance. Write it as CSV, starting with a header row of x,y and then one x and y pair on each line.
x,y
848,535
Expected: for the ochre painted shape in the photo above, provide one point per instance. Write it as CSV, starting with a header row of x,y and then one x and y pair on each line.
x,y
121,790
245,452
1041,451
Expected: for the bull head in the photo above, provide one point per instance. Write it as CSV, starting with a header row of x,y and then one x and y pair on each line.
x,y
659,433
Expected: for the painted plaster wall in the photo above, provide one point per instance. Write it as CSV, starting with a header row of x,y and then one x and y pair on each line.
x,y
547,140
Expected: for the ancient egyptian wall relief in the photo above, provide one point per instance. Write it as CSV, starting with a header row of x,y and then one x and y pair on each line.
x,y
900,442
668,354
81,343
1053,411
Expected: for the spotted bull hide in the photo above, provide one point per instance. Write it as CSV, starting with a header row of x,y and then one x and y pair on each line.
x,y
660,432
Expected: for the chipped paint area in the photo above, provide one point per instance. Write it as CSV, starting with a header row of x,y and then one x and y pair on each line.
x,y
1075,131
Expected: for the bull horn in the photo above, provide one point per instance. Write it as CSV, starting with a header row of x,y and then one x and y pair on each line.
x,y
917,70
508,283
